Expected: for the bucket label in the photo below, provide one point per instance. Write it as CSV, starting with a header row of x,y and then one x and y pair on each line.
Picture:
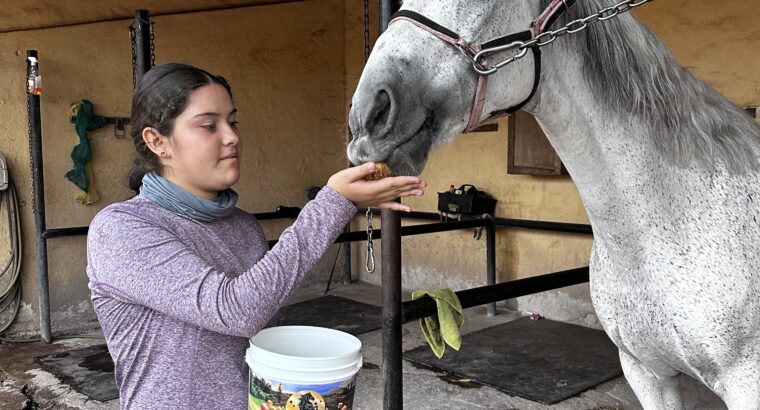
x,y
268,394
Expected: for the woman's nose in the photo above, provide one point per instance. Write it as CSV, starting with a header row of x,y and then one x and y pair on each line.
x,y
231,136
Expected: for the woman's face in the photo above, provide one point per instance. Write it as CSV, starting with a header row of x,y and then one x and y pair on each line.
x,y
204,146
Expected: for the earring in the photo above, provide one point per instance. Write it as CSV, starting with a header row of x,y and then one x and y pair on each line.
x,y
163,154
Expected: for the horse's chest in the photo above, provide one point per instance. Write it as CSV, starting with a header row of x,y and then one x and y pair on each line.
x,y
636,324
643,318
630,314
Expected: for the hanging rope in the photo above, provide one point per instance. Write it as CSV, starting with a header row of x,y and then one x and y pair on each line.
x,y
81,175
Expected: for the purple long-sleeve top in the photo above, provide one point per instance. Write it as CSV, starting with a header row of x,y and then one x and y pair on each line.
x,y
178,299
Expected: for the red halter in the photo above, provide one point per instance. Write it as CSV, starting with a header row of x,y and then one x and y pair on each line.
x,y
481,66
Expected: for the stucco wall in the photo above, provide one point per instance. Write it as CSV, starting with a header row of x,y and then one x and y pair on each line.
x,y
715,41
285,64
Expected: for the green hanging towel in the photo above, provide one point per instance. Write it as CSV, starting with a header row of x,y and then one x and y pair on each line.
x,y
443,328
84,121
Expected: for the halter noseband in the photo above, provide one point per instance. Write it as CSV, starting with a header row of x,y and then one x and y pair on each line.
x,y
475,52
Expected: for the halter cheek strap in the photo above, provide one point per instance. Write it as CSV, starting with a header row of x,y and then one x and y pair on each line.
x,y
480,92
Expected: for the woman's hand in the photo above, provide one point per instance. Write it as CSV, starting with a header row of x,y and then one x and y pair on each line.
x,y
379,194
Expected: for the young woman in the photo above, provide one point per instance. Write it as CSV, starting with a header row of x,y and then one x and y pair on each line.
x,y
180,278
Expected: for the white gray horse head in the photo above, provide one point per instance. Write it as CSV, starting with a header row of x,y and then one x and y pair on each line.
x,y
417,91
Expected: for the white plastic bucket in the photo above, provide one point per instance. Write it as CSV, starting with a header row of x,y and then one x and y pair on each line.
x,y
294,365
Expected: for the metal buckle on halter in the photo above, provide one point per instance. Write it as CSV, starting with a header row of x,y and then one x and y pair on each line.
x,y
469,52
485,52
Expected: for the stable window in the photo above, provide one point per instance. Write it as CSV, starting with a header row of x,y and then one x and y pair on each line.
x,y
528,150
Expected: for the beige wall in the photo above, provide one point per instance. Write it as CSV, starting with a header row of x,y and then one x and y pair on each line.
x,y
716,41
285,63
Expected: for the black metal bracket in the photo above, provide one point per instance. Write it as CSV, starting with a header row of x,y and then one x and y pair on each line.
x,y
117,122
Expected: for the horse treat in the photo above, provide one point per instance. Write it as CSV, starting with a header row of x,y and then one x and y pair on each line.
x,y
382,170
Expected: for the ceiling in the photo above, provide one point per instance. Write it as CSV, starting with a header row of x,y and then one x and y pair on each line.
x,y
18,15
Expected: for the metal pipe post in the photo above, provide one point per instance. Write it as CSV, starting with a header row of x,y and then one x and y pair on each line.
x,y
491,264
38,206
142,43
386,11
391,283
392,320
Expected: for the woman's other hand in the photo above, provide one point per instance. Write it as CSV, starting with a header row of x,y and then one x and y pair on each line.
x,y
379,194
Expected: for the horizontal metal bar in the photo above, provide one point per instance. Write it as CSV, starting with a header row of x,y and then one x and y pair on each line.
x,y
511,223
543,225
281,213
357,236
108,120
426,306
59,232
439,227
432,216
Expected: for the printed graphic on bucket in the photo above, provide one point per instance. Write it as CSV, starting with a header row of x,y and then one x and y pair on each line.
x,y
268,394
302,368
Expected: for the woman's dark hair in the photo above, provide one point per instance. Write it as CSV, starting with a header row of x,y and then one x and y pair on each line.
x,y
160,97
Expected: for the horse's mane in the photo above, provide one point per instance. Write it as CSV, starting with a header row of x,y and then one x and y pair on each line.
x,y
634,73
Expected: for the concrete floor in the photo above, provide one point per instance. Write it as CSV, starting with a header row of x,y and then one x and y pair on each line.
x,y
423,389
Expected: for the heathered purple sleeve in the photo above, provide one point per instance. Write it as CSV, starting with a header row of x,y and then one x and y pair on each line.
x,y
139,261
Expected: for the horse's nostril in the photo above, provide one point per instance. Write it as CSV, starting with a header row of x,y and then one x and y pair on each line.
x,y
381,111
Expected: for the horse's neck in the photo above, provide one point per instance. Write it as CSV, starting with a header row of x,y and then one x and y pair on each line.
x,y
683,140
615,167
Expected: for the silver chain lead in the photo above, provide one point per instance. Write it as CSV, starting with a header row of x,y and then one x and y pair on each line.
x,y
134,56
370,263
548,37
152,45
31,154
370,260
134,51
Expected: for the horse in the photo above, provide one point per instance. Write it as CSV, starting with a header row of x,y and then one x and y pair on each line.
x,y
667,168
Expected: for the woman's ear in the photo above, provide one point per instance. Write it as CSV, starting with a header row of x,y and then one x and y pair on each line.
x,y
155,142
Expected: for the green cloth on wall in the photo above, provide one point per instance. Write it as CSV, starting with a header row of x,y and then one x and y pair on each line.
x,y
84,121
443,328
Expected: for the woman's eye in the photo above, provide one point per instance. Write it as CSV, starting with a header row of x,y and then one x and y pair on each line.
x,y
234,124
210,127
